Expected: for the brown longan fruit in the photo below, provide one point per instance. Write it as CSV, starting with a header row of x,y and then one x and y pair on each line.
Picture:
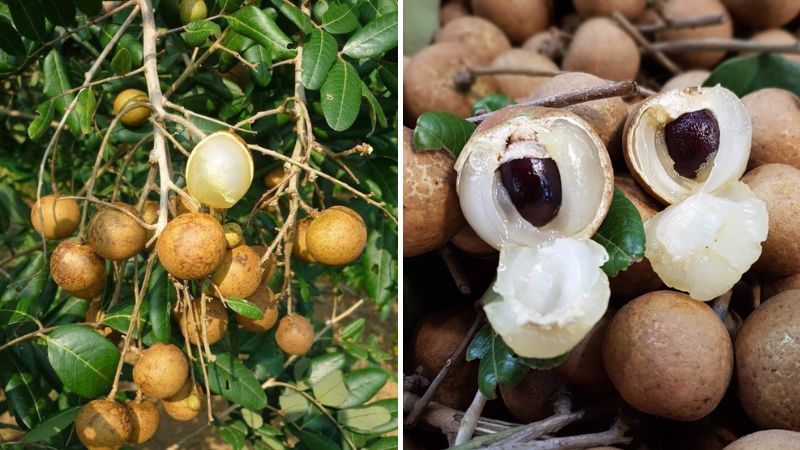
x,y
764,13
300,248
686,79
767,360
216,321
777,185
601,48
773,287
239,273
136,116
431,212
546,43
529,401
186,404
775,117
685,9
669,355
337,236
274,177
468,241
78,269
150,216
266,302
295,335
519,19
519,87
145,418
451,11
775,36
583,369
191,246
631,9
767,439
270,265
161,370
61,216
483,39
103,423
116,236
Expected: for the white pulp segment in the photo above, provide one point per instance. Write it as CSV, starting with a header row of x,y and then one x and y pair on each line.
x,y
219,170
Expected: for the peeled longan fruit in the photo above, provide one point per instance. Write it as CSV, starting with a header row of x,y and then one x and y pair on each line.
x,y
78,269
431,213
775,36
521,86
529,401
601,48
767,360
518,19
767,439
631,9
239,273
685,9
216,321
771,287
115,235
300,248
583,369
669,355
266,302
136,116
764,13
61,216
145,418
777,185
429,82
161,370
337,236
483,39
775,117
103,423
191,246
186,404
295,335
686,79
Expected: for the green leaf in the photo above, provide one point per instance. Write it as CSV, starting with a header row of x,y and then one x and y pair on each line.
x,y
294,14
24,395
28,19
364,420
384,443
318,57
122,61
59,12
498,363
258,26
622,234
372,9
252,419
436,130
160,296
197,32
90,7
56,82
230,378
341,96
293,405
84,361
352,330
10,42
491,103
339,19
325,364
375,39
746,74
119,316
261,57
315,441
331,389
54,424
233,435
41,123
363,384
25,298
85,109
244,307
390,404
380,266
420,21
376,114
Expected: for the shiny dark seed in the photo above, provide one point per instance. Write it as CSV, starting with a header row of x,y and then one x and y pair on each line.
x,y
691,139
534,185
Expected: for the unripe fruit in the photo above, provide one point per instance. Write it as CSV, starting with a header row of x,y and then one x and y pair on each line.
x,y
216,321
767,439
191,10
103,423
266,302
136,116
685,9
337,236
186,404
161,371
519,19
61,217
78,269
775,115
601,48
483,38
115,235
295,335
239,273
219,170
145,418
191,246
764,13
300,247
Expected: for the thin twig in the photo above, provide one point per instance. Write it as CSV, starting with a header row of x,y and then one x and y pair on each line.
x,y
691,22
456,270
470,419
629,28
728,45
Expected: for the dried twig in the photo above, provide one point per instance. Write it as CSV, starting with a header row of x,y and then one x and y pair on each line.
x,y
727,45
470,419
629,28
691,22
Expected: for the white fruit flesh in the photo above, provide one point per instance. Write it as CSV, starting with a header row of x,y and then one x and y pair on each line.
x,y
219,170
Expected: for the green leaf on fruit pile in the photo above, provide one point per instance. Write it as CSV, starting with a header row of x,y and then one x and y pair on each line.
x,y
53,425
244,307
258,26
197,32
436,130
365,419
491,103
341,95
294,14
28,19
331,390
375,39
160,295
622,234
83,360
230,378
498,363
746,74
318,57
339,19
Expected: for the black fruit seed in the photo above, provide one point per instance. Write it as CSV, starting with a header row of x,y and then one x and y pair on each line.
x,y
534,185
691,139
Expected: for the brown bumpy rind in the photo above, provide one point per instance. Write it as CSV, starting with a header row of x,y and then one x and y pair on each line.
x,y
191,246
61,216
266,302
216,320
337,236
519,87
295,335
145,418
775,115
583,369
631,9
103,423
186,404
239,274
78,269
530,400
115,235
767,439
161,371
685,9
519,19
601,48
483,38
764,13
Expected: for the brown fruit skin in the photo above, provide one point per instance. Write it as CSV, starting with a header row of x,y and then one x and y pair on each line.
x,y
468,241
452,11
519,87
271,265
545,43
519,19
669,356
631,9
767,439
61,217
482,38
583,369
145,418
115,235
78,269
529,401
295,335
216,321
274,177
239,273
684,9
186,404
429,81
191,246
150,216
431,212
764,13
771,288
775,115
337,236
265,300
686,79
767,361
777,185
136,116
775,36
103,423
161,371
300,248
601,48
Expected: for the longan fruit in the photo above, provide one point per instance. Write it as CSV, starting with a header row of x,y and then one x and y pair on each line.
x,y
136,116
183,205
519,87
145,418
775,36
300,248
216,321
775,117
767,439
685,9
468,241
103,423
686,79
239,273
78,269
631,9
115,235
773,287
270,265
764,13
295,335
186,404
161,370
601,48
337,236
191,246
191,10
483,39
451,11
583,369
266,302
274,177
519,19
150,217
529,401
61,216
